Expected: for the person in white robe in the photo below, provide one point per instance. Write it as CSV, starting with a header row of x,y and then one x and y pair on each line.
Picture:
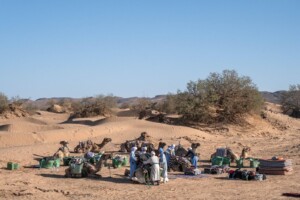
x,y
155,173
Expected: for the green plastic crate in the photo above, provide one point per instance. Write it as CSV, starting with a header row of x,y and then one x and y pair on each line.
x,y
254,163
226,161
217,161
49,163
125,161
12,166
67,160
240,163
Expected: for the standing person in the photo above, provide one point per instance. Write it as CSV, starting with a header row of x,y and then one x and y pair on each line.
x,y
163,164
170,152
144,150
143,154
154,162
133,161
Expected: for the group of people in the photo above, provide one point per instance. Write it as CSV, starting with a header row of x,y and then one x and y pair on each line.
x,y
161,161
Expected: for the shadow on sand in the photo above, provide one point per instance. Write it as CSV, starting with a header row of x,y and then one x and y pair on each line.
x,y
116,179
84,122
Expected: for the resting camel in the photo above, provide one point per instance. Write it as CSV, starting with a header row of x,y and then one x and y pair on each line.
x,y
88,168
180,150
233,156
83,146
97,147
88,145
144,139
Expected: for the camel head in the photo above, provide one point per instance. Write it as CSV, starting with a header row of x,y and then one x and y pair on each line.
x,y
64,143
106,140
246,149
161,145
195,145
143,136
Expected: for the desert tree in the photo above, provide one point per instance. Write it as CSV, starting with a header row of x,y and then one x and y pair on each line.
x,y
290,101
142,104
224,97
168,105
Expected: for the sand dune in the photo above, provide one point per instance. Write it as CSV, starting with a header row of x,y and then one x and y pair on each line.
x,y
40,134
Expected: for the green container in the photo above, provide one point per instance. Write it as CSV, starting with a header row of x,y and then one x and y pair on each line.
x,y
67,160
226,161
240,163
92,160
125,161
254,163
16,166
12,166
217,161
116,163
46,164
56,163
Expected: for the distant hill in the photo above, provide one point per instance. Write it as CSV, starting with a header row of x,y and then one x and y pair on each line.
x,y
273,97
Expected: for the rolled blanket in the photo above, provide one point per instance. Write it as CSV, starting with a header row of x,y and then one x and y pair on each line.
x,y
275,163
275,172
290,168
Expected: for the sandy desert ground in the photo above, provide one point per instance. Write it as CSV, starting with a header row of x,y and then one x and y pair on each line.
x,y
21,138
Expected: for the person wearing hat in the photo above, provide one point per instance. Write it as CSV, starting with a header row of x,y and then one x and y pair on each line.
x,y
132,161
155,173
163,164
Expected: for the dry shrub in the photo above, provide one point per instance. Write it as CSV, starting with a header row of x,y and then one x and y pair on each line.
x,y
89,107
3,102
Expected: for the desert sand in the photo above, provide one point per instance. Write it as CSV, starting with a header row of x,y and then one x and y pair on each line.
x,y
21,138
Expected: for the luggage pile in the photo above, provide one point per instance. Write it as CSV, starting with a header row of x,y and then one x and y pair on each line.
x,y
276,166
246,175
215,169
192,171
77,168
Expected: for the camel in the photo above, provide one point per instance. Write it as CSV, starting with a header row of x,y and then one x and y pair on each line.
x,y
88,145
83,146
245,152
97,147
144,139
144,136
180,150
87,168
63,151
233,156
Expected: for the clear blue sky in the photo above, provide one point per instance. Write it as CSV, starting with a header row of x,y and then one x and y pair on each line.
x,y
55,48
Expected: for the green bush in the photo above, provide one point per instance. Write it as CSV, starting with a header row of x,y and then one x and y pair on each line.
x,y
3,102
291,101
222,97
